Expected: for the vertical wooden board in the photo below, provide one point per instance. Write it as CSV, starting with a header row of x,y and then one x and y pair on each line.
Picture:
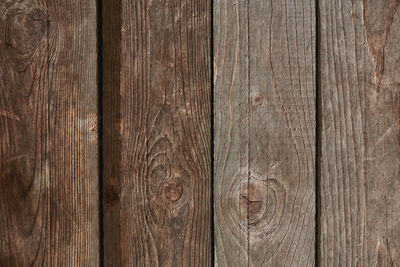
x,y
282,133
48,141
158,194
360,150
230,132
264,133
111,101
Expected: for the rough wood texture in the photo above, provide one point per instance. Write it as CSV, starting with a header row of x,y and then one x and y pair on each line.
x,y
157,182
264,133
360,150
48,140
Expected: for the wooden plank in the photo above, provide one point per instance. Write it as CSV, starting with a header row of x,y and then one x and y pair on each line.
x,y
48,141
157,179
230,131
111,59
360,152
264,133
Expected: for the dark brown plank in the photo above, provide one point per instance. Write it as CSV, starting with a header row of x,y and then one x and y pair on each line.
x,y
157,162
360,138
48,133
264,133
111,101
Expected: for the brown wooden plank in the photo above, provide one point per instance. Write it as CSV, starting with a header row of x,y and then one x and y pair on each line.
x,y
157,171
111,101
48,140
264,133
360,152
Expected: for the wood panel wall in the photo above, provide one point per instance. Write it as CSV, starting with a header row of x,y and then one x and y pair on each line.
x,y
199,133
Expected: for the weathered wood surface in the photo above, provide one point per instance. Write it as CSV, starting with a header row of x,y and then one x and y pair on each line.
x,y
264,186
157,160
48,133
360,150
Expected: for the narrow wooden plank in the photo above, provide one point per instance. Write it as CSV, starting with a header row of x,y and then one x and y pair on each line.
x,y
231,162
264,133
48,140
360,151
157,182
111,101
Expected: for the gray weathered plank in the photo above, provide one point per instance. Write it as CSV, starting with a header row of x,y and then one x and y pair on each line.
x,y
157,160
264,106
48,133
360,152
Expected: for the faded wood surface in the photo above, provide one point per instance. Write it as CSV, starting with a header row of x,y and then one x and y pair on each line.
x,y
360,152
48,133
264,121
157,176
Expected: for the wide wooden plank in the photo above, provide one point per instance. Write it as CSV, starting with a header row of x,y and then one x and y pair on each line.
x,y
157,176
360,150
264,133
48,133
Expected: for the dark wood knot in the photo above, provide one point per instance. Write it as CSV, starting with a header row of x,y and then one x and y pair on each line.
x,y
256,205
258,99
251,199
173,191
112,195
24,29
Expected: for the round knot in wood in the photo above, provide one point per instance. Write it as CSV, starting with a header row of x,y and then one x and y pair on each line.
x,y
256,205
251,200
24,27
173,191
258,100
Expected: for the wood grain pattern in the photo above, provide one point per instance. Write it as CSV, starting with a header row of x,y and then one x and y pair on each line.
x,y
157,182
360,150
264,157
48,140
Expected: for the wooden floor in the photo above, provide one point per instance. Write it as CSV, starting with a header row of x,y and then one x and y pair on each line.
x,y
200,133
